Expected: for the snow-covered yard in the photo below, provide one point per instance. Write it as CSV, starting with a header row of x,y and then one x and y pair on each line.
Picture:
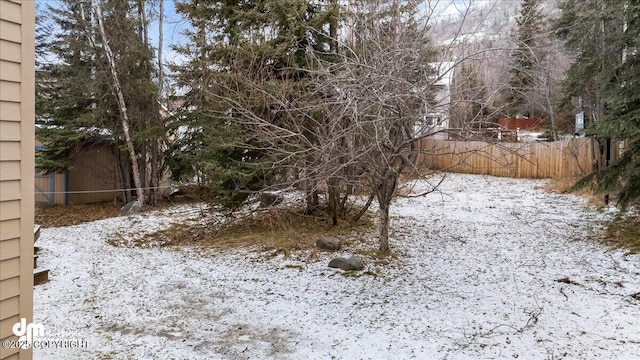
x,y
477,276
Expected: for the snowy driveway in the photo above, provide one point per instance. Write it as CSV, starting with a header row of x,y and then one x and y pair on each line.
x,y
477,278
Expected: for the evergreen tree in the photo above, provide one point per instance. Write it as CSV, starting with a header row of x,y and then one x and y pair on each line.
x,y
75,99
526,58
246,59
605,37
587,28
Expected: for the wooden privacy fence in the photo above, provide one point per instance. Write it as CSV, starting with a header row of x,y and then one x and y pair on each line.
x,y
560,159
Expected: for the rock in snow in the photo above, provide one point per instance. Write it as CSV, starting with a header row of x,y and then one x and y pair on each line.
x,y
350,263
131,207
328,243
469,282
270,199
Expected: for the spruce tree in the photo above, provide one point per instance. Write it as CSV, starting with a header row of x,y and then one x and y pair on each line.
x,y
246,59
527,56
75,98
68,86
604,36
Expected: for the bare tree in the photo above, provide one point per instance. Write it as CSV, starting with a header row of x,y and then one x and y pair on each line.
x,y
361,119
355,123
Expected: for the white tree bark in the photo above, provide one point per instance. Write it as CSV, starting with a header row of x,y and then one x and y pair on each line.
x,y
122,105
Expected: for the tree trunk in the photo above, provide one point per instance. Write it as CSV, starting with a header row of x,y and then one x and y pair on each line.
x,y
142,163
154,181
126,174
550,111
384,228
313,203
155,176
160,41
333,196
122,106
333,28
385,192
364,208
125,178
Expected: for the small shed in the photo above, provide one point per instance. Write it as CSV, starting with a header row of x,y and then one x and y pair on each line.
x,y
93,177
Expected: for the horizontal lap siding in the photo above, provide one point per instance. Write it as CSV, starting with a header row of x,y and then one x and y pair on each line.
x,y
9,249
9,131
17,95
9,111
10,307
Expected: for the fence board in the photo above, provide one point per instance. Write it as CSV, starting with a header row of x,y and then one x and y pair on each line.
x,y
561,159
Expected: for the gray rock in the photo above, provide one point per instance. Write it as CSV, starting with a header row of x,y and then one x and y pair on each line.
x,y
328,243
350,263
131,207
270,199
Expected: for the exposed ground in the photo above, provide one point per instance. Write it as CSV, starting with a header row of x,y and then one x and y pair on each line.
x,y
48,215
489,268
54,215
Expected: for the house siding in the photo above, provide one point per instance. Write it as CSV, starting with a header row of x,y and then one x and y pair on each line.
x,y
17,22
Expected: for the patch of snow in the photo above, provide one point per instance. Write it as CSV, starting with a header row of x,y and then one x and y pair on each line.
x,y
479,275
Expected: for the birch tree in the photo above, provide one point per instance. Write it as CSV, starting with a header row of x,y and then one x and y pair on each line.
x,y
122,105
96,78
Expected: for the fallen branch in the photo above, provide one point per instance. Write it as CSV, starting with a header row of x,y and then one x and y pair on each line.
x,y
566,280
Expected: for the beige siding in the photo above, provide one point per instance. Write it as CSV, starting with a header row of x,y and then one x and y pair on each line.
x,y
13,356
9,30
10,288
11,12
9,111
9,249
10,307
10,51
10,91
10,229
10,71
17,92
9,268
9,131
9,170
9,150
10,190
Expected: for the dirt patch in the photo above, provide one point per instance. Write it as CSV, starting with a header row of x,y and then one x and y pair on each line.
x,y
280,230
48,215
65,215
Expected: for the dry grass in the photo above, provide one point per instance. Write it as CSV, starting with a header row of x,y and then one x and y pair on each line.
x,y
67,215
48,215
563,186
279,230
624,232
